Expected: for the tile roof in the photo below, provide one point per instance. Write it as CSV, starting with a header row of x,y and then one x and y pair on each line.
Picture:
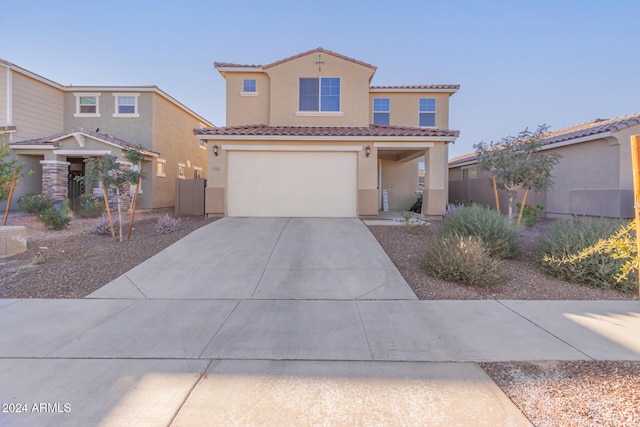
x,y
273,64
594,127
368,131
451,87
54,139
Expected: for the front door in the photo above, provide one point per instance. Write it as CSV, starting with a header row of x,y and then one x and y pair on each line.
x,y
76,189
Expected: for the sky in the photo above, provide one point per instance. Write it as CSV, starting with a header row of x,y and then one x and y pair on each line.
x,y
519,63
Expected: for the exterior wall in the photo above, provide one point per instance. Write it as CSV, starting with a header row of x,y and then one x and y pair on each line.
x,y
404,108
401,179
626,171
37,108
173,138
592,165
243,109
136,130
354,91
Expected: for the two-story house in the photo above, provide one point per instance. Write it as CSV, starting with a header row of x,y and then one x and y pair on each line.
x,y
308,136
53,128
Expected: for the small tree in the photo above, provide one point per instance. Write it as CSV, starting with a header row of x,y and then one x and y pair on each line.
x,y
107,171
10,171
517,163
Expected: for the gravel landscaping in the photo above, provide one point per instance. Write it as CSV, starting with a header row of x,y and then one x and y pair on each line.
x,y
75,262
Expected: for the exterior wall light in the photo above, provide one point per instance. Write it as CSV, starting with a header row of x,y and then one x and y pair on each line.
x,y
215,150
367,151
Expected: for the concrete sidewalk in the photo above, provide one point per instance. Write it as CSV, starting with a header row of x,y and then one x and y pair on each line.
x,y
283,322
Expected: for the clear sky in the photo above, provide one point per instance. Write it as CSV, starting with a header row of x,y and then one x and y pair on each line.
x,y
520,63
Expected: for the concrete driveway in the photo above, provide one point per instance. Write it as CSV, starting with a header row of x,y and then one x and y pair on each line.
x,y
262,321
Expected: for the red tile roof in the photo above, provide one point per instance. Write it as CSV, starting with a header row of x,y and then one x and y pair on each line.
x,y
320,50
273,64
594,127
368,131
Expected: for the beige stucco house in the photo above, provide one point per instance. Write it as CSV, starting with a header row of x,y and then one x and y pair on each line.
x,y
594,176
53,128
309,136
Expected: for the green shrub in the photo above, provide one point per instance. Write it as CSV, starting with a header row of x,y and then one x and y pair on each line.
x,y
463,260
35,203
417,206
89,206
488,225
531,215
566,238
55,219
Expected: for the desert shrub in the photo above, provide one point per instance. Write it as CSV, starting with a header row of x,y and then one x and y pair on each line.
x,y
417,206
166,224
102,227
531,215
90,206
566,238
35,203
55,219
488,225
463,260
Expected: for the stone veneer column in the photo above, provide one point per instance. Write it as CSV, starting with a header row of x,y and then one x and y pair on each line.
x,y
55,178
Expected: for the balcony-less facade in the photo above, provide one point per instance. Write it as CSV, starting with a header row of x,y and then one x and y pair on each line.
x,y
309,136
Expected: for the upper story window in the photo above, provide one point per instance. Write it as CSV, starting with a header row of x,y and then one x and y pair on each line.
x,y
427,112
87,105
249,86
381,108
126,105
320,94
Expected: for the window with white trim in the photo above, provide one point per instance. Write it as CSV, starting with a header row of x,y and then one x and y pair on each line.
x,y
161,165
427,112
249,87
126,105
197,172
181,171
320,94
87,104
381,111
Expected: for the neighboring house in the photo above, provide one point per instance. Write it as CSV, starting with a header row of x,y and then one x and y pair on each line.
x,y
594,176
308,136
55,127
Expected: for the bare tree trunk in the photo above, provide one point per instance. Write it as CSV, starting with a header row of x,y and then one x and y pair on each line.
x,y
510,208
133,211
495,192
524,202
13,184
119,213
106,204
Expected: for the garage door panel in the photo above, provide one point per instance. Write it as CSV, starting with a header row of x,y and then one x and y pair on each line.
x,y
292,184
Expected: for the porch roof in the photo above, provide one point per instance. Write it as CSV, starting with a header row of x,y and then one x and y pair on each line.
x,y
54,140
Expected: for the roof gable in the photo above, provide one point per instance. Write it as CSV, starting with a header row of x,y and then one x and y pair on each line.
x,y
318,50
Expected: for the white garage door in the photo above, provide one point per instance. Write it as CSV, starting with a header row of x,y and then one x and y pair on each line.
x,y
291,184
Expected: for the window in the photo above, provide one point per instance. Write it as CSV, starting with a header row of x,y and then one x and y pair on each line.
x,y
197,172
160,167
202,144
427,112
249,86
381,111
87,105
126,105
321,94
470,172
181,170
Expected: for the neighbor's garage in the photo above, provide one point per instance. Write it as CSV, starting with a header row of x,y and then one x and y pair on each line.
x,y
292,184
